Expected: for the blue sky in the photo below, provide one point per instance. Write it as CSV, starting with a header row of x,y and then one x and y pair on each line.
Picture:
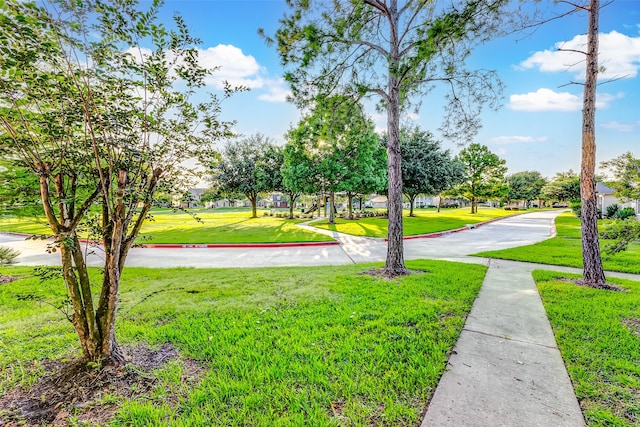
x,y
539,124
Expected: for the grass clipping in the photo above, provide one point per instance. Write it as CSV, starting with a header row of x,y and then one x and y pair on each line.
x,y
78,389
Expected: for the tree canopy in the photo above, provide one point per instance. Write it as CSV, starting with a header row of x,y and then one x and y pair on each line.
x,y
426,167
330,147
248,166
396,52
526,185
564,187
626,176
484,175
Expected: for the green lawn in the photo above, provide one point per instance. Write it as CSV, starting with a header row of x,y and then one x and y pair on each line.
x,y
217,226
281,346
566,249
425,221
598,333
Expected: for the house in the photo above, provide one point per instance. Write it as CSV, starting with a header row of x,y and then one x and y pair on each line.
x,y
279,201
379,202
422,202
264,203
190,199
607,197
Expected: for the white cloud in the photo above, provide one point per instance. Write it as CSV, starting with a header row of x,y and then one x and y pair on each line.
x,y
277,91
619,55
545,99
515,139
622,127
232,65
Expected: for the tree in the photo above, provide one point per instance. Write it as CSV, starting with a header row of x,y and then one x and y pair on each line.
x,y
564,187
328,147
98,121
526,186
395,52
247,166
369,173
483,174
426,167
593,274
626,174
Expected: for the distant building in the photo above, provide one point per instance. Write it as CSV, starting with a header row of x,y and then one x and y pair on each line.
x,y
279,201
190,199
379,202
607,197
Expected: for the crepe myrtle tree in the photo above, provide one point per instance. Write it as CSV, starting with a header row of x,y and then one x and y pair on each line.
x,y
90,105
397,52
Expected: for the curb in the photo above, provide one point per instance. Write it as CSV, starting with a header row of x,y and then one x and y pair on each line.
x,y
204,245
235,245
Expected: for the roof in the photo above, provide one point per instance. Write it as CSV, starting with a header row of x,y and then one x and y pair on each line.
x,y
379,199
603,189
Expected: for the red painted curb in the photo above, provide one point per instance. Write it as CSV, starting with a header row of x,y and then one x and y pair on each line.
x,y
235,245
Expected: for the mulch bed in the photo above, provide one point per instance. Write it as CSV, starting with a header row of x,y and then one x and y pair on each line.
x,y
605,287
74,388
7,279
383,273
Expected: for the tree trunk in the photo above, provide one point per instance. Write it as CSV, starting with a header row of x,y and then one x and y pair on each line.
x,y
593,270
412,199
439,202
253,198
395,248
332,206
292,199
350,204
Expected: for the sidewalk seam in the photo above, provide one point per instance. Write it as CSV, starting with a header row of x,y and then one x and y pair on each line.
x,y
510,339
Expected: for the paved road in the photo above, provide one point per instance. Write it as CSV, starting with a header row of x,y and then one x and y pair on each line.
x,y
514,231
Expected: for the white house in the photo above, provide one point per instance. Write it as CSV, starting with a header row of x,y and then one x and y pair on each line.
x,y
606,198
379,202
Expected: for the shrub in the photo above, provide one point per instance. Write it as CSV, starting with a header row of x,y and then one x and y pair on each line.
x,y
612,210
625,213
7,255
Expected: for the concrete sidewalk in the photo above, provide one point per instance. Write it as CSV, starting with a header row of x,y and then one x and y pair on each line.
x,y
505,369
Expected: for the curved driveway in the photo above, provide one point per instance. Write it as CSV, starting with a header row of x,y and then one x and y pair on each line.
x,y
509,232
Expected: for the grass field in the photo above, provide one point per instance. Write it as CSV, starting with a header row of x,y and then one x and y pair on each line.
x,y
424,221
598,333
566,249
217,226
281,346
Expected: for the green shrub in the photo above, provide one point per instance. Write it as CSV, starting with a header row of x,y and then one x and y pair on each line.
x,y
612,210
625,213
7,255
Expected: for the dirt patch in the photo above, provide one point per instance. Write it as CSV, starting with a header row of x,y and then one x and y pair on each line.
x,y
633,325
605,287
7,279
74,388
387,274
